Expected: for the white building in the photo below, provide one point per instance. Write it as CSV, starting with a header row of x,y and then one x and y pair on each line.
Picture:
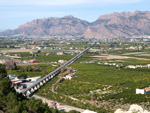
x,y
88,111
140,91
48,54
13,77
143,91
69,76
131,66
39,48
113,64
61,61
33,79
106,63
148,65
60,53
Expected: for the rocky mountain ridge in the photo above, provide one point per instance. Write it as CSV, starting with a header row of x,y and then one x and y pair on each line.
x,y
115,25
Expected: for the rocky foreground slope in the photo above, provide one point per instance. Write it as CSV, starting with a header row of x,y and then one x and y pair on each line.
x,y
133,109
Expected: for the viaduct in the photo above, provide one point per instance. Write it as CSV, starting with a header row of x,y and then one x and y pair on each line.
x,y
29,90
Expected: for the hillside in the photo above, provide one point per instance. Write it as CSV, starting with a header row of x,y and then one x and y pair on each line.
x,y
115,25
67,25
123,24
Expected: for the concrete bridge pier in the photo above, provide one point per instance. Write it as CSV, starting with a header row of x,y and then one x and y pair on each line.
x,y
44,81
52,76
35,88
28,92
24,94
32,90
47,79
41,84
38,86
56,72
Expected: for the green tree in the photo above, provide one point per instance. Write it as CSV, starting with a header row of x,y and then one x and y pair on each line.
x,y
22,76
5,87
24,86
3,73
12,102
73,111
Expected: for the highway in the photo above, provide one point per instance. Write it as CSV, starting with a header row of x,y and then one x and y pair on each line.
x,y
52,74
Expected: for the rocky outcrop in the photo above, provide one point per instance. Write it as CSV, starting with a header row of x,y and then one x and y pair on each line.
x,y
133,109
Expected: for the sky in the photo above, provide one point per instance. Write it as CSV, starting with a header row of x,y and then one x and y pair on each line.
x,y
16,12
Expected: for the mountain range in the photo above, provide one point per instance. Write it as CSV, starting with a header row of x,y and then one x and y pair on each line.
x,y
115,25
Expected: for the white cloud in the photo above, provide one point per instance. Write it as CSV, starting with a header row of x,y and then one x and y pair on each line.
x,y
65,2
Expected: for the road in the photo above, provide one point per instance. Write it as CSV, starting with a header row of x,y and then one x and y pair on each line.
x,y
59,106
106,56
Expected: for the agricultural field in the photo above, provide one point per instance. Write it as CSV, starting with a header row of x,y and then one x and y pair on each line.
x,y
33,70
104,86
17,50
95,86
52,58
3,57
45,65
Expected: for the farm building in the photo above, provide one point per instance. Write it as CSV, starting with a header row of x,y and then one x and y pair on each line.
x,y
143,91
16,82
131,67
69,76
88,111
60,53
148,65
33,60
61,61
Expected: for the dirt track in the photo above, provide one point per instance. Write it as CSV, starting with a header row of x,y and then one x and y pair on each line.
x,y
118,57
18,50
